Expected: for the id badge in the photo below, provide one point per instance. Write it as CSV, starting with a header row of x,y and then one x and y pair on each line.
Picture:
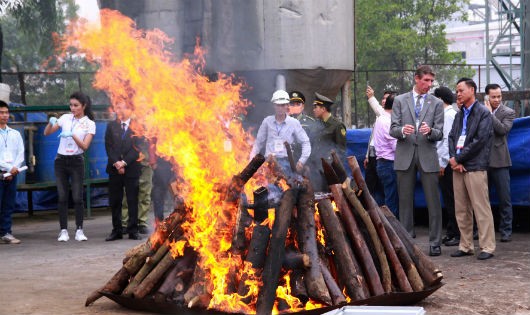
x,y
70,146
460,142
278,146
8,158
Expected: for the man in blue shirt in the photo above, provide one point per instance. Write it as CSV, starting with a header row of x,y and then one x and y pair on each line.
x,y
279,128
11,159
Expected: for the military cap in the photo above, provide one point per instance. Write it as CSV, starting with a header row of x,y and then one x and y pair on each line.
x,y
296,96
321,100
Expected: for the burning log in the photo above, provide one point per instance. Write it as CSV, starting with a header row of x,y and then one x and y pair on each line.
x,y
146,268
334,291
306,231
430,274
298,288
360,248
349,272
372,209
153,277
406,261
271,271
295,260
386,277
177,277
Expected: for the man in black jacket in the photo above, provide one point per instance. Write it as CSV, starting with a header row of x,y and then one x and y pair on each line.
x,y
124,171
469,149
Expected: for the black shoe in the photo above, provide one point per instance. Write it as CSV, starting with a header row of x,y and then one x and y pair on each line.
x,y
461,253
446,238
142,229
484,256
452,242
435,251
114,235
506,239
134,236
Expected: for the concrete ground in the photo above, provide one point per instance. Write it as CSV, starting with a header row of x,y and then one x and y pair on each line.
x,y
43,276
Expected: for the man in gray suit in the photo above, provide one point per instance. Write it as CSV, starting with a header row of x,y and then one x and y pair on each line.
x,y
500,161
417,124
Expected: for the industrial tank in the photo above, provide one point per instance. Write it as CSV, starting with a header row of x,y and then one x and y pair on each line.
x,y
310,43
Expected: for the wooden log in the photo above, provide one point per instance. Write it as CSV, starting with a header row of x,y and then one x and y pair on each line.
x,y
334,290
373,209
147,285
271,271
430,274
243,220
180,272
306,232
360,248
150,263
348,271
259,242
294,260
386,276
338,167
115,285
407,263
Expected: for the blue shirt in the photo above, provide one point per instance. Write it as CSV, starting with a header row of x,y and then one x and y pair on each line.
x,y
272,134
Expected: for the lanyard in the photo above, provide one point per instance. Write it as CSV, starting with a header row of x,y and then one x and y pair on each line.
x,y
73,124
278,130
5,137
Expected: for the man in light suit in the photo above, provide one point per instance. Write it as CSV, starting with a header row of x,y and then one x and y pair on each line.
x,y
417,124
500,161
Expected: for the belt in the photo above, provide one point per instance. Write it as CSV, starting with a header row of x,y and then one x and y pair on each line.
x,y
385,160
75,156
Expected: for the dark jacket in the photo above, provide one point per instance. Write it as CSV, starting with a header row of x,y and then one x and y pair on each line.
x,y
479,134
502,124
327,136
122,147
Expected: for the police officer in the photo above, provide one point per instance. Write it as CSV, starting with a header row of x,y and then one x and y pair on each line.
x,y
329,135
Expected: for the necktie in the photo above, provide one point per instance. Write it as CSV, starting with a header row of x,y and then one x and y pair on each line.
x,y
417,108
124,130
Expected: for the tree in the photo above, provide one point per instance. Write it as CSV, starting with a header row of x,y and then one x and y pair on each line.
x,y
400,35
27,30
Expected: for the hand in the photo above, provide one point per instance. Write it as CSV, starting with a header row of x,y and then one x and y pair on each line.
x,y
121,171
459,168
66,134
425,129
453,162
441,173
365,162
14,171
408,129
488,105
53,121
369,92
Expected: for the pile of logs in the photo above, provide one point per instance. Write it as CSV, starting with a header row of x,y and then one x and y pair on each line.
x,y
366,252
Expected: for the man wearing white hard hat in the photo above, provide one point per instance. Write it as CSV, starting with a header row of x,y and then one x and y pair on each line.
x,y
279,128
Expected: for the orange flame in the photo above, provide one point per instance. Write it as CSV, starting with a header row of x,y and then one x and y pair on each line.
x,y
195,123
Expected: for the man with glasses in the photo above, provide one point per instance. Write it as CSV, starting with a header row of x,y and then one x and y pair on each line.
x,y
279,128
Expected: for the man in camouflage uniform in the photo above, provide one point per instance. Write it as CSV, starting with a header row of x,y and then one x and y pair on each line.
x,y
330,134
296,110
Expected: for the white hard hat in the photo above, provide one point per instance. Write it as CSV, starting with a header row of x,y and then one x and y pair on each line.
x,y
5,90
280,97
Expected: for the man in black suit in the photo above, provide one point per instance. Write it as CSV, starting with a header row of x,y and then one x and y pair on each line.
x,y
124,171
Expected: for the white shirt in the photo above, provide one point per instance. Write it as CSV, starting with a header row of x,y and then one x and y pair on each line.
x,y
79,127
11,149
442,147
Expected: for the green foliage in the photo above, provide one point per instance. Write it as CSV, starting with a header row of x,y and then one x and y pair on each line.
x,y
399,35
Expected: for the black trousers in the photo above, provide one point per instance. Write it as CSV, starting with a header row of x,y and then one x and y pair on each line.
x,y
116,184
372,181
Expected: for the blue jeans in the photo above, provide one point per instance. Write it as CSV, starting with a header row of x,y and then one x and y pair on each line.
x,y
387,176
500,177
8,189
69,172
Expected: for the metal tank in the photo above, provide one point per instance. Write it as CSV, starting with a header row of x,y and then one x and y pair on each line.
x,y
310,43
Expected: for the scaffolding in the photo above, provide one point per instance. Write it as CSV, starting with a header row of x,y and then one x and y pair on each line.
x,y
506,47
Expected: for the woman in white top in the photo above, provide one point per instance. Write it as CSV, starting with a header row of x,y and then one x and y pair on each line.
x,y
77,130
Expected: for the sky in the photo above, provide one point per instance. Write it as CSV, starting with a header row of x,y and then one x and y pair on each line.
x,y
88,9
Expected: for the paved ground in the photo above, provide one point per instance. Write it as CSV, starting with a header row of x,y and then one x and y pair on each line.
x,y
43,276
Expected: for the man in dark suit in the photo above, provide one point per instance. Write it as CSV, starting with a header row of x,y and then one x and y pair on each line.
x,y
417,123
124,171
500,161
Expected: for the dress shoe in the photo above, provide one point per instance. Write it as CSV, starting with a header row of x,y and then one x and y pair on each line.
x,y
435,251
114,235
461,253
445,239
484,256
134,236
506,239
452,242
142,229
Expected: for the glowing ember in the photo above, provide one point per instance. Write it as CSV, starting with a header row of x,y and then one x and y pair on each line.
x,y
195,123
